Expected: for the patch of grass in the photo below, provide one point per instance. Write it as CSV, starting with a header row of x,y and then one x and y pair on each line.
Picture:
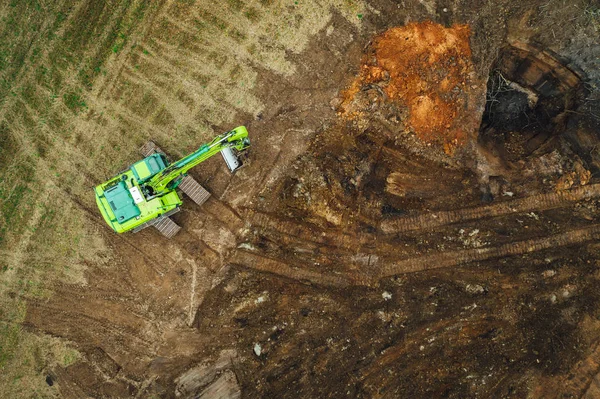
x,y
74,101
235,4
236,35
12,315
14,188
592,16
119,43
91,36
252,14
213,20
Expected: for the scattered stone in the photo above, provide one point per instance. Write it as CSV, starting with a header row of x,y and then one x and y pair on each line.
x,y
549,273
257,349
568,290
474,232
386,295
475,289
533,215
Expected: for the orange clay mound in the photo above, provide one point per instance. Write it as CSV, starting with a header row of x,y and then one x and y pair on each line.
x,y
426,68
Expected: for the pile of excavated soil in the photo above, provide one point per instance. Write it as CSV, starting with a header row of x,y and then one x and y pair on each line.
x,y
427,69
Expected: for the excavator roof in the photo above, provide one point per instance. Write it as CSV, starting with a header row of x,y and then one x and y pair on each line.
x,y
148,167
121,202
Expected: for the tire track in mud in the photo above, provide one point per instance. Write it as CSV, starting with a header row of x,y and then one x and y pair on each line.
x,y
62,322
338,238
285,269
455,258
310,233
357,272
540,202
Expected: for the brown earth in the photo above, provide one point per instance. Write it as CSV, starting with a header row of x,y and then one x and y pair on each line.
x,y
364,250
427,69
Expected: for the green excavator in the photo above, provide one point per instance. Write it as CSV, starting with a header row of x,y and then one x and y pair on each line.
x,y
146,194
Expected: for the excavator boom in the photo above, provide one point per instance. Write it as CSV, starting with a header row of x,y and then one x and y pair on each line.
x,y
170,177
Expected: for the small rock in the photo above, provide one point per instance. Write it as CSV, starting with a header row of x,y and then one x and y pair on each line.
x,y
568,290
549,273
257,349
474,232
553,298
335,103
533,216
475,289
386,295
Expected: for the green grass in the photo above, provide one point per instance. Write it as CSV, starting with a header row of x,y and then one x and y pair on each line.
x,y
592,16
74,101
14,188
10,331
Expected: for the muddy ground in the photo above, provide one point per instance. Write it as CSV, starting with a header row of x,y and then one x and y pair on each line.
x,y
416,218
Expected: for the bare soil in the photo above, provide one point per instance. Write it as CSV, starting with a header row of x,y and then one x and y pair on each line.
x,y
428,69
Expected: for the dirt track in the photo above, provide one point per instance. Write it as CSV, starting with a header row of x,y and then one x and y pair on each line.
x,y
367,249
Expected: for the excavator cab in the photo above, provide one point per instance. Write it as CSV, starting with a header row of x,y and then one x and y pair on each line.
x,y
148,167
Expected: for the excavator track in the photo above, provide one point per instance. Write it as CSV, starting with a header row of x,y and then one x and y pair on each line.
x,y
370,272
194,190
307,232
150,148
166,226
285,269
532,203
455,258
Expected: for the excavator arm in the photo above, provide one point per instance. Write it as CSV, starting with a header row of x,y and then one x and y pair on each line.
x,y
168,178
